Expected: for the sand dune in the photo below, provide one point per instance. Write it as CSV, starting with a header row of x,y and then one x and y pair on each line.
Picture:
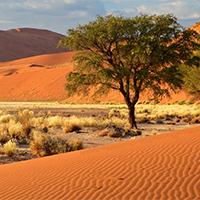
x,y
165,166
26,42
42,78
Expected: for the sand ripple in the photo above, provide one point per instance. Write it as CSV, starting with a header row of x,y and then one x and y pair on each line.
x,y
165,166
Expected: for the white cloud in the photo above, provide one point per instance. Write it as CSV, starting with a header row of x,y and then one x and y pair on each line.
x,y
59,15
56,15
181,9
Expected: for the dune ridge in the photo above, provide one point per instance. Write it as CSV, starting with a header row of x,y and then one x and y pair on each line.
x,y
25,42
42,78
164,166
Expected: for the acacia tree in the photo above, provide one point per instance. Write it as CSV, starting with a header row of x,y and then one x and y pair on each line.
x,y
130,55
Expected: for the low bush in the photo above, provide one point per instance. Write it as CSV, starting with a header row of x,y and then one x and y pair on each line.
x,y
15,130
46,144
10,148
25,115
54,121
113,113
182,102
70,127
4,137
7,118
76,145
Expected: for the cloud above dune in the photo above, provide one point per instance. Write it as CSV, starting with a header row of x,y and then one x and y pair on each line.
x,y
59,15
188,12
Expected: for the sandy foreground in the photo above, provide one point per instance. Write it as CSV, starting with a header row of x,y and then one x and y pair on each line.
x,y
165,166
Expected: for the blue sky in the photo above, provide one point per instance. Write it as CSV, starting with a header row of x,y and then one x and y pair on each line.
x,y
59,15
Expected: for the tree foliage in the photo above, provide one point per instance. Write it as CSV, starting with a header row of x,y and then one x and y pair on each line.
x,y
192,79
131,55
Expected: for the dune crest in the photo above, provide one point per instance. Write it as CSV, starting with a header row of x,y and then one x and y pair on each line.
x,y
26,42
42,78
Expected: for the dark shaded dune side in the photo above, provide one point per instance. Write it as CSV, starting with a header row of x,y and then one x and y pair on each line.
x,y
26,42
165,166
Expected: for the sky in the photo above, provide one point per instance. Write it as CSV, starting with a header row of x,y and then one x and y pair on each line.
x,y
60,15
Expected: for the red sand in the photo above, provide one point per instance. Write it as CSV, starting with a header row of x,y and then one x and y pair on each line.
x,y
42,78
166,166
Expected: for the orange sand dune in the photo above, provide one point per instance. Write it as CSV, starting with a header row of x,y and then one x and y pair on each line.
x,y
42,78
166,166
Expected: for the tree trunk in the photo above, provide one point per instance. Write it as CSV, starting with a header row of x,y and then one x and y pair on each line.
x,y
132,116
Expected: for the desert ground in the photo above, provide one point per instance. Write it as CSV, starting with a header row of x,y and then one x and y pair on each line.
x,y
102,119
164,166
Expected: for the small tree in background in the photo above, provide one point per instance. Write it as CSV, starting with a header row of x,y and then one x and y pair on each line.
x,y
131,55
192,79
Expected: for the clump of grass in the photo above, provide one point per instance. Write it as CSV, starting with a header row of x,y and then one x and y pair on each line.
x,y
70,127
123,113
7,118
189,102
113,113
46,144
4,137
76,145
10,148
24,117
182,102
113,121
37,121
15,130
54,121
73,124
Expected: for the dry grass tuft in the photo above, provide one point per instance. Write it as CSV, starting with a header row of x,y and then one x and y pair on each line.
x,y
70,127
10,148
15,130
4,137
7,118
76,145
54,121
46,144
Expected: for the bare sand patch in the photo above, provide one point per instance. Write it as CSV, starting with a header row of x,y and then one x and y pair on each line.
x,y
164,166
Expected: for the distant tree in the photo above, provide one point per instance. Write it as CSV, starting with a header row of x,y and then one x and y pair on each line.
x,y
192,79
131,55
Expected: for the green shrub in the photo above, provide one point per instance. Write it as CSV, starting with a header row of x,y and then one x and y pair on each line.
x,y
189,102
182,102
156,101
139,102
10,148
